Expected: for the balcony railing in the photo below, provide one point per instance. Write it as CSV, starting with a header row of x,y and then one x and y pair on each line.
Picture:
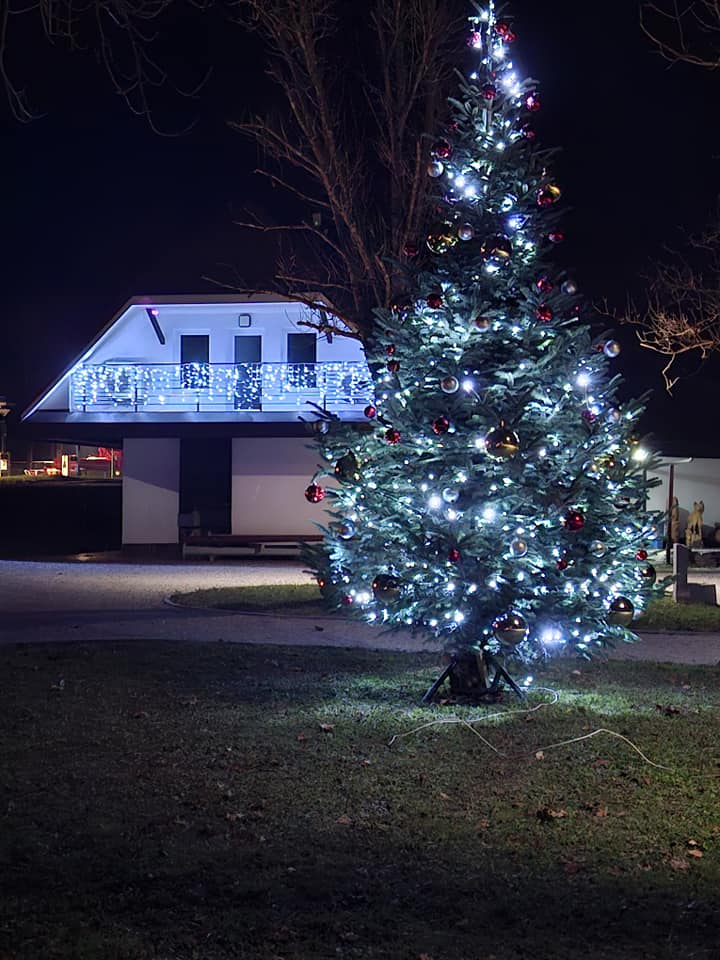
x,y
217,387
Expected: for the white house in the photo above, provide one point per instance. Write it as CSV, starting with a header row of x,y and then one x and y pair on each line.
x,y
206,394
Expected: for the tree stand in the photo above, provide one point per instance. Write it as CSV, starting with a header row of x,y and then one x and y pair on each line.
x,y
478,676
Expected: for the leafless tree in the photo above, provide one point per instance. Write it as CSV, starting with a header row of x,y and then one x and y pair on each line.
x,y
681,319
119,33
346,146
685,31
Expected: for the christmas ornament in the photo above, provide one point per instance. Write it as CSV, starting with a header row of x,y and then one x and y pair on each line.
x,y
518,547
481,323
589,416
569,288
393,366
466,231
345,529
449,384
510,629
411,249
453,555
562,563
505,32
502,443
611,349
641,554
544,284
488,91
621,612
532,102
347,599
574,519
556,236
441,237
441,425
435,169
390,349
544,313
434,301
392,435
597,548
528,132
347,469
386,587
548,195
497,249
450,495
614,414
370,411
314,493
441,149
647,574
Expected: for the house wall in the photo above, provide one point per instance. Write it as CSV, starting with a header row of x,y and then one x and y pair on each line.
x,y
269,477
151,476
694,481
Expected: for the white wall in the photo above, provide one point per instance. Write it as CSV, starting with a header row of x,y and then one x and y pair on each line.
x,y
694,481
269,477
151,500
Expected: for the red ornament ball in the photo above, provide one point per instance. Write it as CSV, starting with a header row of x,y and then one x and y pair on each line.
x,y
641,554
314,493
441,149
393,366
528,133
392,435
562,563
441,425
347,599
544,313
548,195
370,411
481,323
505,32
488,91
557,236
390,349
589,416
532,102
453,555
574,519
411,249
544,284
434,301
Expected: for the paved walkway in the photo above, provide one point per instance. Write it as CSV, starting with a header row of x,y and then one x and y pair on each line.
x,y
91,602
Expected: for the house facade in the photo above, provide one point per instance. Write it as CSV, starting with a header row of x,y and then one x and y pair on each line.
x,y
207,396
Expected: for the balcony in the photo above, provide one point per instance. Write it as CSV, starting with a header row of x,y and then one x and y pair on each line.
x,y
217,387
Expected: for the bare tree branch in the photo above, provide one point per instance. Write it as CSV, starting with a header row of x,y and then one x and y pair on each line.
x,y
687,32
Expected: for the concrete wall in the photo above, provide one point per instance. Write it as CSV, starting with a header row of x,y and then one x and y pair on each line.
x,y
151,500
269,477
694,481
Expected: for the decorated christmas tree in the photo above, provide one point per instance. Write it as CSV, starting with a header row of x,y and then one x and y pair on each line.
x,y
495,498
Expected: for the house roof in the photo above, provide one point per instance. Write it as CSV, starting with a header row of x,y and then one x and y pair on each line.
x,y
148,300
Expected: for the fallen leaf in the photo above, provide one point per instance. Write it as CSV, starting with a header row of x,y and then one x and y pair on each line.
x,y
366,763
678,863
445,796
234,817
601,763
539,755
695,852
546,814
575,673
601,812
344,821
668,709
327,727
482,824
301,737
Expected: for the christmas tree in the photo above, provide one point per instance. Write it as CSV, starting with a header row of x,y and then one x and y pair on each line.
x,y
495,499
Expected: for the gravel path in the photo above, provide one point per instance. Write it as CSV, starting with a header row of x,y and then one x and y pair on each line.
x,y
91,602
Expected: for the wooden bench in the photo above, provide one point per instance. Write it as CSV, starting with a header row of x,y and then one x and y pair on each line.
x,y
213,545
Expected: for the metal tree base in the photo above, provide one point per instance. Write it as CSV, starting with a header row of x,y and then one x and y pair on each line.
x,y
478,676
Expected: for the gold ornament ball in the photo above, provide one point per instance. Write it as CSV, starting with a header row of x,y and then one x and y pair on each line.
x,y
518,547
435,169
611,349
441,237
449,384
510,629
385,587
621,612
597,548
347,469
502,443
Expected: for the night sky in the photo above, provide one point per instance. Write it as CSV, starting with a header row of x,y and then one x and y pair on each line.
x,y
98,208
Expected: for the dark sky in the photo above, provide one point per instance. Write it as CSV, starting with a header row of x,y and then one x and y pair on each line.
x,y
98,208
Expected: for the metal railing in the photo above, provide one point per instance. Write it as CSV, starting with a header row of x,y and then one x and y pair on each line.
x,y
217,387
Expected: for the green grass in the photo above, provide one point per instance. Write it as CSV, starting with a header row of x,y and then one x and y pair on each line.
x,y
304,599
229,802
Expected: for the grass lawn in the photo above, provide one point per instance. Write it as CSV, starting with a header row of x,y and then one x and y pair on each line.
x,y
225,802
304,599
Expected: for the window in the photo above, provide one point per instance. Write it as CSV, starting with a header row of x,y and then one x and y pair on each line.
x,y
195,361
302,357
248,375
